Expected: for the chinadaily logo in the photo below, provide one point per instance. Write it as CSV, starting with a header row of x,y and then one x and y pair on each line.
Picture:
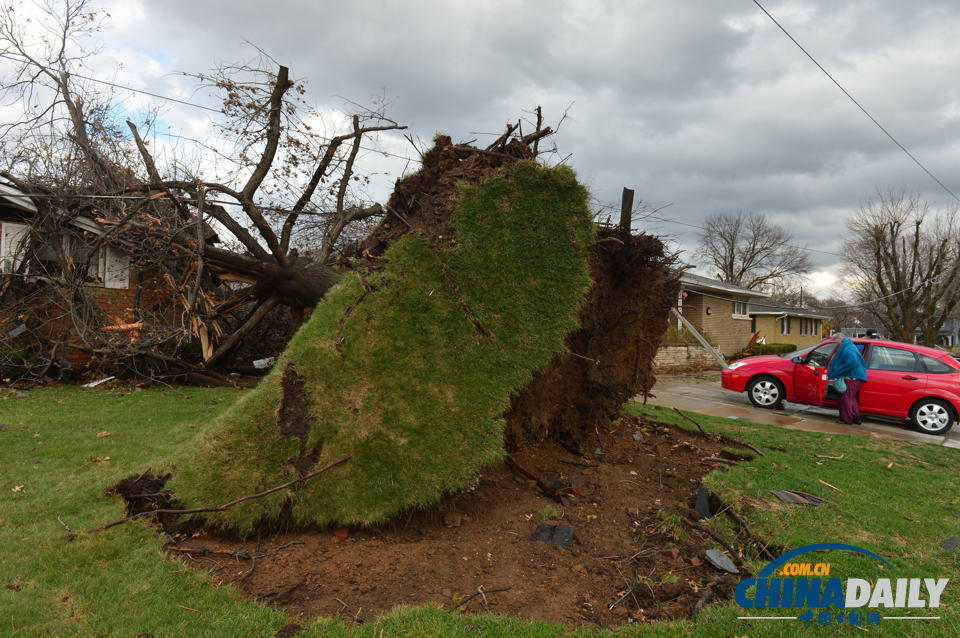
x,y
799,589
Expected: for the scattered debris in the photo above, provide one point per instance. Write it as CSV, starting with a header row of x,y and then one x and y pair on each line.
x,y
721,561
557,535
837,489
480,592
262,364
94,384
17,331
797,497
703,504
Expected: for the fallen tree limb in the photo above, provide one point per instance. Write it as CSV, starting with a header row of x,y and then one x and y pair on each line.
x,y
225,506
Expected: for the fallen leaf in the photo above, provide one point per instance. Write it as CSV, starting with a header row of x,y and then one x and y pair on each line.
x,y
103,434
2,521
890,465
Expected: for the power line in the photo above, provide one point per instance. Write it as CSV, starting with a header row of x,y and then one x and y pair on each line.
x,y
859,106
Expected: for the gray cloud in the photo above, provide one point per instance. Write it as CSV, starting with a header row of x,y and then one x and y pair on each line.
x,y
704,105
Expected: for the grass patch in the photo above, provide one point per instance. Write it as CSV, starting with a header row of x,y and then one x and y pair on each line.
x,y
119,582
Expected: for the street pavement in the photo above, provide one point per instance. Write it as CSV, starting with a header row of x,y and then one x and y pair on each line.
x,y
702,393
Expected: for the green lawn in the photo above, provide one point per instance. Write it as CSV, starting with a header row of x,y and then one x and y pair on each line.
x,y
118,583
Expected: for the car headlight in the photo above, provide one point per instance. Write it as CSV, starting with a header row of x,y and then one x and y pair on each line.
x,y
736,364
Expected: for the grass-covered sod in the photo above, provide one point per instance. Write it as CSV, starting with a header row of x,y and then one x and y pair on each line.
x,y
52,463
407,370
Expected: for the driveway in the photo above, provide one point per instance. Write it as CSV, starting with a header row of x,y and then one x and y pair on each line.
x,y
702,393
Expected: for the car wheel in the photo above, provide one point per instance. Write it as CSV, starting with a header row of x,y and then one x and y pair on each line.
x,y
932,416
765,392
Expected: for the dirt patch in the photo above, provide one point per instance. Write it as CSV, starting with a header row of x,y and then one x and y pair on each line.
x,y
293,419
626,562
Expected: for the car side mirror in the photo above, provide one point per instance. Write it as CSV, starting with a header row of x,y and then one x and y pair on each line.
x,y
797,359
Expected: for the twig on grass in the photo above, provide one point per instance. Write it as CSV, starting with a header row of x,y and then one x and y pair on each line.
x,y
755,448
70,533
225,506
699,427
206,551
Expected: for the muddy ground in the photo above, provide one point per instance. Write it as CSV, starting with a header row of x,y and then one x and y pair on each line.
x,y
624,564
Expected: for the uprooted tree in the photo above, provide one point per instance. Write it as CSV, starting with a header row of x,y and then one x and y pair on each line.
x,y
214,255
483,310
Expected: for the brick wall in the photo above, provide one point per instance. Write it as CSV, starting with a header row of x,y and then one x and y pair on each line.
x,y
728,333
683,355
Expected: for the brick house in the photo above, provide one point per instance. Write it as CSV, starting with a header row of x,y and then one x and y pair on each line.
x,y
718,310
780,323
114,287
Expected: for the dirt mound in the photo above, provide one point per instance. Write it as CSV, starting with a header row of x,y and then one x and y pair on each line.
x,y
421,202
610,358
630,558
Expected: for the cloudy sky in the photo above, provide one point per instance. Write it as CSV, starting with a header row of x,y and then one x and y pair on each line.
x,y
703,107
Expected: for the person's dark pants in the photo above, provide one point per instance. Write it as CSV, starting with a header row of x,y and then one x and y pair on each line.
x,y
849,408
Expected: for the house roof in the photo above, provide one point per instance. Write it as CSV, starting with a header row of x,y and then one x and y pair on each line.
x,y
14,197
691,281
760,306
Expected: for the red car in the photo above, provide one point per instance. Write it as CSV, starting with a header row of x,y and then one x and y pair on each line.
x,y
903,381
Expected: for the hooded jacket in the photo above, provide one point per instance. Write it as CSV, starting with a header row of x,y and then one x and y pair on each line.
x,y
847,362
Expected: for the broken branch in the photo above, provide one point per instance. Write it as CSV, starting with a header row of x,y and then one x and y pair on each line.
x,y
225,506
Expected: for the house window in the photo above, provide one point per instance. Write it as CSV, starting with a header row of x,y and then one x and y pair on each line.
x,y
741,309
803,325
785,325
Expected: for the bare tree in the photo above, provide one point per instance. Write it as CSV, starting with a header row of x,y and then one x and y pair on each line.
x,y
748,251
904,262
284,172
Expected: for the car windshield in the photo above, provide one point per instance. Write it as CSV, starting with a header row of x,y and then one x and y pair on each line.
x,y
799,353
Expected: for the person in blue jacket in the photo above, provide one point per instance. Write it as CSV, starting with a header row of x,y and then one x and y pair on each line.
x,y
847,364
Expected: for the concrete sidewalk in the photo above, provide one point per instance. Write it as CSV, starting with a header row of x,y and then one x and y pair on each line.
x,y
702,393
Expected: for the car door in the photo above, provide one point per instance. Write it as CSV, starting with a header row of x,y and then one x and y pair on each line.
x,y
895,378
810,375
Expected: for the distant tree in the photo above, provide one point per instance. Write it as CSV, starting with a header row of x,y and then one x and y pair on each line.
x,y
748,251
905,263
